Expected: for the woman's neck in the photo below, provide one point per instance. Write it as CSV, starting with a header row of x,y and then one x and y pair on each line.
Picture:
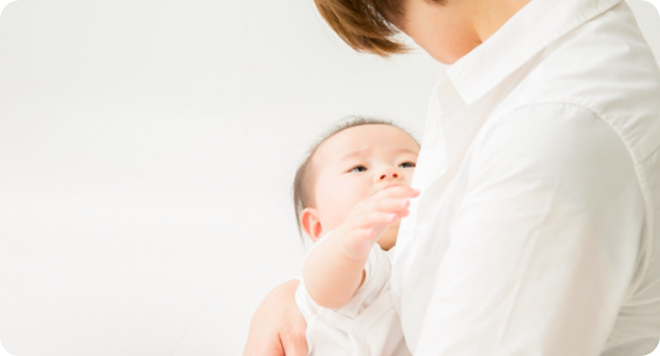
x,y
490,16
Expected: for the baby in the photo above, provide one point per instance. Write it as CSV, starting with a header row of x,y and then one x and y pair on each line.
x,y
350,195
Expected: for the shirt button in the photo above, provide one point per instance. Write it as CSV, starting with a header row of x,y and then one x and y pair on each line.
x,y
427,216
459,157
449,90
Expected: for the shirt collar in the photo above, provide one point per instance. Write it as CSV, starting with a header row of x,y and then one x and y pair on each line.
x,y
529,31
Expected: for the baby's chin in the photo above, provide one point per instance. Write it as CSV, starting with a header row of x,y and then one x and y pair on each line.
x,y
388,240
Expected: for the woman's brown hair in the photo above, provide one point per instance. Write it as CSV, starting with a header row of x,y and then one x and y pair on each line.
x,y
366,25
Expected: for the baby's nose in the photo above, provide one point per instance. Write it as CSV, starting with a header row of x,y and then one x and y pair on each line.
x,y
388,173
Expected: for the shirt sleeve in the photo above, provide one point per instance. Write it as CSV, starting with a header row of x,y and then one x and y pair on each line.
x,y
545,243
376,282
378,272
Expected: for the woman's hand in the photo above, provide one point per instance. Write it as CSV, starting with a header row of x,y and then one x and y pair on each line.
x,y
277,327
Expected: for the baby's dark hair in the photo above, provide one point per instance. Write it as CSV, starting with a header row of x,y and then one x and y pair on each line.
x,y
302,189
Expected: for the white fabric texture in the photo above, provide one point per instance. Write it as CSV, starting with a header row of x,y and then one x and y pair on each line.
x,y
537,229
367,325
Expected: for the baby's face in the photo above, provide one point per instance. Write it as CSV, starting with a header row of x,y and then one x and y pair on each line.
x,y
357,163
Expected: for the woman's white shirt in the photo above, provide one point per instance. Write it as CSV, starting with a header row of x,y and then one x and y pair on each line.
x,y
538,228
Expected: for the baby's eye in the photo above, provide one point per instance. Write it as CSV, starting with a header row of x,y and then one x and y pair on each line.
x,y
357,169
407,165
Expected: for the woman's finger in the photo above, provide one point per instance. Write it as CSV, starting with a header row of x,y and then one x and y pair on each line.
x,y
277,327
294,342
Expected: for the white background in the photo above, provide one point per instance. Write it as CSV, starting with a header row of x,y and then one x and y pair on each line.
x,y
147,149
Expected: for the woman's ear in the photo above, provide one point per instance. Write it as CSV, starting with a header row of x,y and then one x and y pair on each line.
x,y
309,219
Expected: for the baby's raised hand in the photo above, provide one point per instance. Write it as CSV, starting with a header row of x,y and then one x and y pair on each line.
x,y
371,217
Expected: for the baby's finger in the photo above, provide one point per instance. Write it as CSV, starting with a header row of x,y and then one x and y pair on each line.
x,y
389,205
401,192
375,218
403,213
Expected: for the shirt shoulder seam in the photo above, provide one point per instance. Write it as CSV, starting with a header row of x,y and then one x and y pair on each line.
x,y
646,247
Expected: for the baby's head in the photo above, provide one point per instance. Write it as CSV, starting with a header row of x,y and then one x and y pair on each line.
x,y
349,164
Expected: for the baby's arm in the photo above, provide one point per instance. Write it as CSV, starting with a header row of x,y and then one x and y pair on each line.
x,y
334,270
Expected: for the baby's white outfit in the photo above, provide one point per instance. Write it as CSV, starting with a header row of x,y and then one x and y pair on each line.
x,y
367,325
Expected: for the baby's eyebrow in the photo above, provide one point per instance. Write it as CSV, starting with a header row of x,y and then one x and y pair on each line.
x,y
360,151
407,150
353,153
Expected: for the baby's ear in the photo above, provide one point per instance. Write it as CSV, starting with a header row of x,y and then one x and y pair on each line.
x,y
309,219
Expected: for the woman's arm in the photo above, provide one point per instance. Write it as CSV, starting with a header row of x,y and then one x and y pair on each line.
x,y
544,246
277,327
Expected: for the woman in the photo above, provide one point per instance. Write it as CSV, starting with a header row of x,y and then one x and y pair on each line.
x,y
538,228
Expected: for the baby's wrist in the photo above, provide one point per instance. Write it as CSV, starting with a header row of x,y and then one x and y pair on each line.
x,y
355,249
